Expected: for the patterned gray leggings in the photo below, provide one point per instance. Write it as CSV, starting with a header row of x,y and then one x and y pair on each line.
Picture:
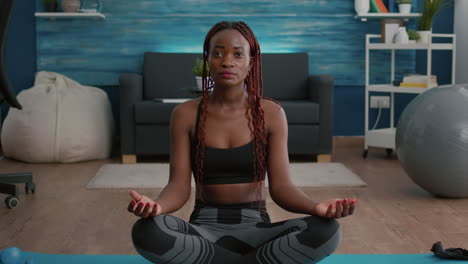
x,y
240,233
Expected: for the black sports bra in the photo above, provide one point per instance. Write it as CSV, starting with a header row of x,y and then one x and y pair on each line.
x,y
225,166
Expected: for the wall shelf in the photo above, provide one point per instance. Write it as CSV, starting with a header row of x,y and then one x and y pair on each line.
x,y
70,15
366,16
417,46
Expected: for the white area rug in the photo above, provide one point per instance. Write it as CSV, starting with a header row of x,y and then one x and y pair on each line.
x,y
155,175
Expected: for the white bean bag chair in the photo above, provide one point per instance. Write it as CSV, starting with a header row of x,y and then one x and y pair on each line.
x,y
61,121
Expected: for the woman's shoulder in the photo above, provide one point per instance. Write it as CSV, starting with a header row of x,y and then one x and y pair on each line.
x,y
186,110
273,114
271,108
187,106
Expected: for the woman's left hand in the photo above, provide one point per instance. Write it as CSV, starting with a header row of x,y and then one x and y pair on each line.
x,y
336,208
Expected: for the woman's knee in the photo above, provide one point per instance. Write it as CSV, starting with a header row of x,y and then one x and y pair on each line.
x,y
320,231
140,227
149,236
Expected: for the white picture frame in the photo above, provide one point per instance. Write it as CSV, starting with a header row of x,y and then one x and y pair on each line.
x,y
389,28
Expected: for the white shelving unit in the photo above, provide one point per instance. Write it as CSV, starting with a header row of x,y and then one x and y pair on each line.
x,y
385,138
70,15
366,16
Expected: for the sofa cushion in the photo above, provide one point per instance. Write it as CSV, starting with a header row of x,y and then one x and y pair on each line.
x,y
285,75
168,75
152,112
301,112
297,112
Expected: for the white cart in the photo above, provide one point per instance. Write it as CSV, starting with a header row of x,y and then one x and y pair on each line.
x,y
385,138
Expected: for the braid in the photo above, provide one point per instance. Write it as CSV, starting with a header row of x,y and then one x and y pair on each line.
x,y
256,121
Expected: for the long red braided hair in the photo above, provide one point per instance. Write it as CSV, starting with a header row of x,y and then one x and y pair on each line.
x,y
254,84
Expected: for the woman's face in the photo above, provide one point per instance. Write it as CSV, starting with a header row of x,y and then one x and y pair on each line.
x,y
229,58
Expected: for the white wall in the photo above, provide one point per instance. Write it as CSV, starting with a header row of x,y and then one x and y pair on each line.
x,y
461,30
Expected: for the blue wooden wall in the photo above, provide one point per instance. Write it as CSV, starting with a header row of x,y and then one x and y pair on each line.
x,y
25,46
96,52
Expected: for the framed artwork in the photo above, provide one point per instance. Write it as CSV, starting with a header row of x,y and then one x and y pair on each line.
x,y
388,29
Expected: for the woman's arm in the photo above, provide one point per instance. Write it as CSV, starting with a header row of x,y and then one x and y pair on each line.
x,y
282,190
177,191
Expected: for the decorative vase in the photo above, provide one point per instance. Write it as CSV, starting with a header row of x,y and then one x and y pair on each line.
x,y
404,8
401,37
71,5
425,36
199,82
361,6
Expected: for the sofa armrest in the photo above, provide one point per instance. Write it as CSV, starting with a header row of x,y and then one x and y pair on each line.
x,y
321,92
131,92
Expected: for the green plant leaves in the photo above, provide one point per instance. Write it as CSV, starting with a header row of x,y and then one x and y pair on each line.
x,y
430,9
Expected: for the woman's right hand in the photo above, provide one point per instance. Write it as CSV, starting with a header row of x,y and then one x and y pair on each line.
x,y
143,206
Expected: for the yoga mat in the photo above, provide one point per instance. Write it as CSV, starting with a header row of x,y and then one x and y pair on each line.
x,y
40,258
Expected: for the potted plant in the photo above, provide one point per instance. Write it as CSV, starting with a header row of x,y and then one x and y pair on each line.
x,y
413,36
429,11
50,5
197,70
404,6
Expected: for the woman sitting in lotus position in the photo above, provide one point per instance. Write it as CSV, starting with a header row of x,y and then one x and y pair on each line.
x,y
230,138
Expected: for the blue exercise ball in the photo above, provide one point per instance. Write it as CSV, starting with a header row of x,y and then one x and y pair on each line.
x,y
11,255
432,140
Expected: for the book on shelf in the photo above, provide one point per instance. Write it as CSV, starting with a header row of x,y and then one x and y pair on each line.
x,y
418,80
381,6
373,7
418,85
391,6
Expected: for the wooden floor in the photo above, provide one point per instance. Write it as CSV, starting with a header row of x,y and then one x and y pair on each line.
x,y
393,216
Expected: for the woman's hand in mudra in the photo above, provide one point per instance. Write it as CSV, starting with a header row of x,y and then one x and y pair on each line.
x,y
143,206
336,208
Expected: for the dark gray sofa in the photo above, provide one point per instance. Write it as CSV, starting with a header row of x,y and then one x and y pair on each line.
x,y
306,99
